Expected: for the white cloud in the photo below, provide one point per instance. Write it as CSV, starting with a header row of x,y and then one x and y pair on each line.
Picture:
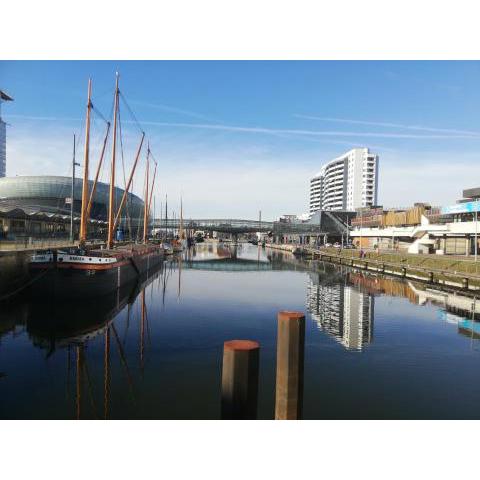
x,y
222,176
448,131
315,133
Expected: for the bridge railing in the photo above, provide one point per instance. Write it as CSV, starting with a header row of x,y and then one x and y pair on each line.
x,y
239,226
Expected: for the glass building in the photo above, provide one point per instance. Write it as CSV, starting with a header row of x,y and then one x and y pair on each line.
x,y
51,195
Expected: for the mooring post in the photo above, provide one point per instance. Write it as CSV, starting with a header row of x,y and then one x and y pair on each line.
x,y
290,360
240,379
465,283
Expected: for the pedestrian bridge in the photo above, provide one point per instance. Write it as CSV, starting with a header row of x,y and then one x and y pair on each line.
x,y
332,223
231,225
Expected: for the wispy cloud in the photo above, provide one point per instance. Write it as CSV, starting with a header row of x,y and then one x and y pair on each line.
x,y
338,142
436,133
319,133
168,108
447,131
46,119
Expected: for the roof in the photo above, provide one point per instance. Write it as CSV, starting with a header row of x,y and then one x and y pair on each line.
x,y
9,208
5,97
27,190
342,157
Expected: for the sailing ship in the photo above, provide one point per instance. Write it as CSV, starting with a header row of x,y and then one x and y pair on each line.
x,y
99,270
179,243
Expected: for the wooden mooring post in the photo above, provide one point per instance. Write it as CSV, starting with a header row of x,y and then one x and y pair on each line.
x,y
290,362
240,379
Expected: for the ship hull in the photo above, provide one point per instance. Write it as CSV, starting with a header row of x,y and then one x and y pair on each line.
x,y
69,280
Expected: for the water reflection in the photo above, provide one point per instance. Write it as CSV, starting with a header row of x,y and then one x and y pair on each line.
x,y
341,310
55,324
141,351
454,307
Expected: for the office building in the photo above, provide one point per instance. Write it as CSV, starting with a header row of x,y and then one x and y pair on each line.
x,y
3,136
347,182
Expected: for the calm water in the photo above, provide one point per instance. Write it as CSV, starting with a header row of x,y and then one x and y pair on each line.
x,y
375,347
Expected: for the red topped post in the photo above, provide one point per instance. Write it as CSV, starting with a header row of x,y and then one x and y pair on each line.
x,y
240,379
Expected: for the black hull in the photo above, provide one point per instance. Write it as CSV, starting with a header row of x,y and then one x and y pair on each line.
x,y
67,282
55,322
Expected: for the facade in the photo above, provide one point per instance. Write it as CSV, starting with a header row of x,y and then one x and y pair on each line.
x,y
24,200
347,182
3,136
448,230
3,148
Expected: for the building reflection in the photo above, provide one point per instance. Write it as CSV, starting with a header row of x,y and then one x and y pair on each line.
x,y
454,307
341,310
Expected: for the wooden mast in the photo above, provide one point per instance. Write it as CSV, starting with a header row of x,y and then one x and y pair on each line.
x,y
111,205
83,214
181,234
166,216
127,188
99,166
151,189
145,209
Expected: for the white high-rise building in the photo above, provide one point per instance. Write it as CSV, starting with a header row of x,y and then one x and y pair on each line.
x,y
347,182
3,148
3,136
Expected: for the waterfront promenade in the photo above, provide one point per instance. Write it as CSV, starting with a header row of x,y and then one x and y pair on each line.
x,y
449,271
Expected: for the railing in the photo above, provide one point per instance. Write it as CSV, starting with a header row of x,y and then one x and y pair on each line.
x,y
39,243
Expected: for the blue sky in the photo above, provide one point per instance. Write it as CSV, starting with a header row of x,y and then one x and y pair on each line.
x,y
234,137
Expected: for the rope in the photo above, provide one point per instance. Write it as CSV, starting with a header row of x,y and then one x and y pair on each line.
x,y
137,123
99,113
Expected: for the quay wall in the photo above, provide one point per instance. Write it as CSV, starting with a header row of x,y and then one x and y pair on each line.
x,y
284,247
459,274
13,271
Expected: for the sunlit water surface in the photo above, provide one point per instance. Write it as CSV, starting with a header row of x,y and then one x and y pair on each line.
x,y
374,348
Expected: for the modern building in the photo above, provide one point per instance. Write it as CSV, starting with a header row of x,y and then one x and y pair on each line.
x,y
40,205
347,182
452,229
3,136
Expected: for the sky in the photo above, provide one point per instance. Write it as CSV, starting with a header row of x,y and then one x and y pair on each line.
x,y
235,137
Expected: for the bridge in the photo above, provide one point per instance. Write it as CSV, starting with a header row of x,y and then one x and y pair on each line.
x,y
230,225
322,223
